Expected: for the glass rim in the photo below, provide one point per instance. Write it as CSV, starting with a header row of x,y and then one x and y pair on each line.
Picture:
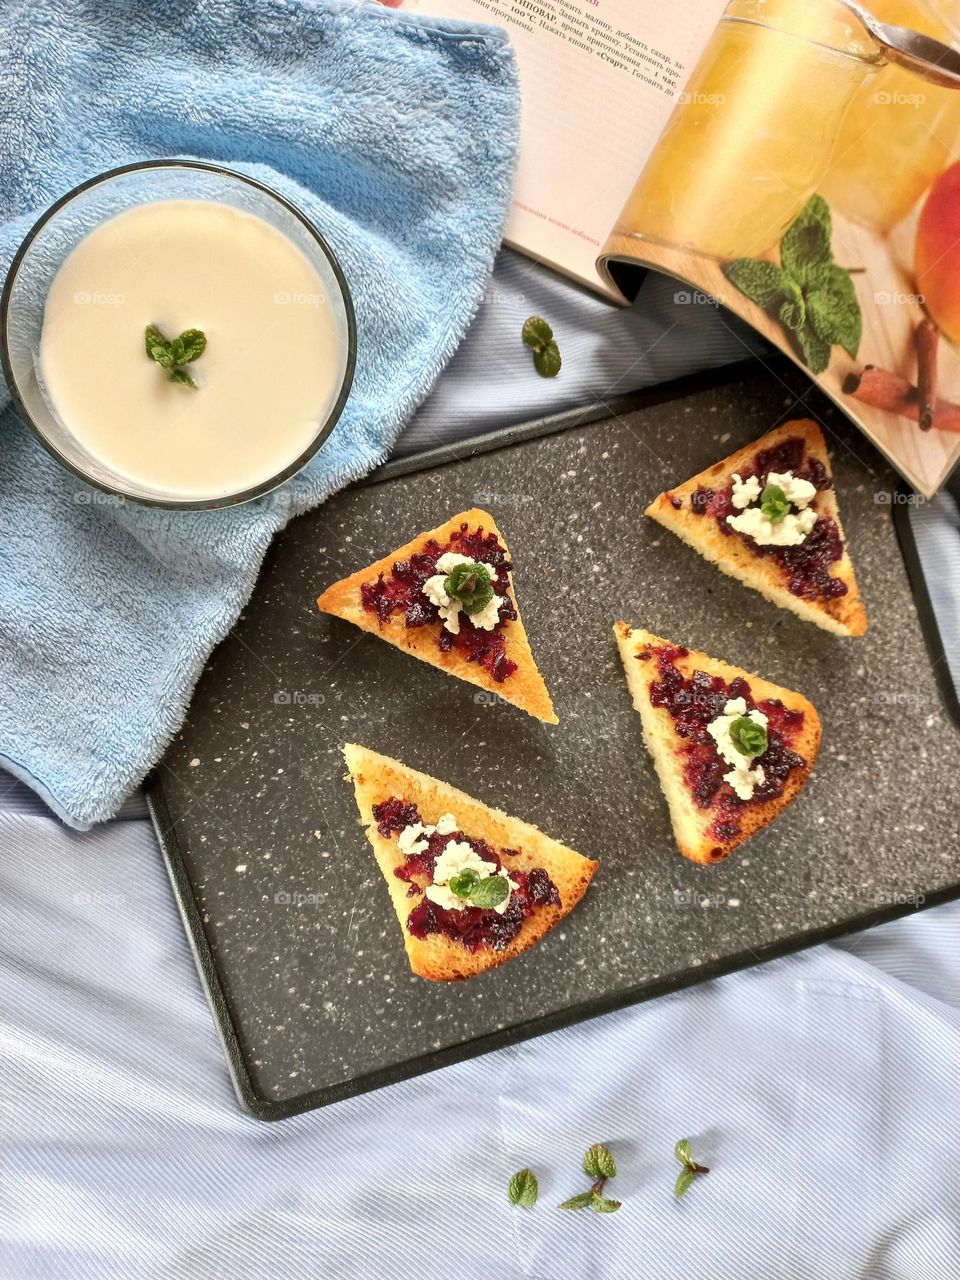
x,y
875,59
185,504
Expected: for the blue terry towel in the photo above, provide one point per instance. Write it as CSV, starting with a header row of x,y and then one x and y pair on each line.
x,y
396,135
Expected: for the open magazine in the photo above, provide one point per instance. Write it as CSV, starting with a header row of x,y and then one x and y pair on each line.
x,y
762,152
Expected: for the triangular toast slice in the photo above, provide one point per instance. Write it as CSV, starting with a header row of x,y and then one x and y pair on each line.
x,y
519,682
679,691
824,591
521,848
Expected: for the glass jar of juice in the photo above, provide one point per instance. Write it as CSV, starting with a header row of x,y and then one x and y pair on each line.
x,y
900,131
755,130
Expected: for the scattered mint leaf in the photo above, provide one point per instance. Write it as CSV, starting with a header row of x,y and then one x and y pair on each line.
x,y
600,1204
522,1188
682,1185
536,332
763,282
681,1152
813,297
774,503
168,354
489,892
599,1163
472,585
538,335
582,1201
750,739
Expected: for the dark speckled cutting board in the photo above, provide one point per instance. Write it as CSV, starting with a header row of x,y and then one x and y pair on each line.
x,y
299,948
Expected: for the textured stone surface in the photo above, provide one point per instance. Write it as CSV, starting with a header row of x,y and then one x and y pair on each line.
x,y
318,983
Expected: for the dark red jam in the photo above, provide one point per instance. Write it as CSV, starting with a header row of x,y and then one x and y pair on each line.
x,y
693,702
474,927
807,565
402,592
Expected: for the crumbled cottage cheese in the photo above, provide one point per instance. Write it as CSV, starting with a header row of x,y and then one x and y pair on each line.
x,y
456,857
744,775
795,525
486,619
744,491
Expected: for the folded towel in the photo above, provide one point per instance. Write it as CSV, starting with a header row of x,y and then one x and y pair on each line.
x,y
397,136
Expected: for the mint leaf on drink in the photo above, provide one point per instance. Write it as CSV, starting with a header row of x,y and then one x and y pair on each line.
x,y
599,1163
750,739
173,353
811,295
600,1204
522,1189
538,335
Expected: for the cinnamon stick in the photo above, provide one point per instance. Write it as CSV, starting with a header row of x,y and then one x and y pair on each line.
x,y
925,338
889,391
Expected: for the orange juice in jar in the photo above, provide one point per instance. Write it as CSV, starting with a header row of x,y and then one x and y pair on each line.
x,y
754,132
900,131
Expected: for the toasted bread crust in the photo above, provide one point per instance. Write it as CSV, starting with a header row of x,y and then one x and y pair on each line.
x,y
844,615
376,777
525,688
691,824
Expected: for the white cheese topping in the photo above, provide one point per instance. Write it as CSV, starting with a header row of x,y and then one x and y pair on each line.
x,y
744,776
433,589
744,491
795,525
413,839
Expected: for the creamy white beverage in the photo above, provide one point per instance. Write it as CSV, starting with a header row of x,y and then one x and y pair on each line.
x,y
265,381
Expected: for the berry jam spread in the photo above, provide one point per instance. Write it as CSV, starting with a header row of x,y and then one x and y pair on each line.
x,y
693,702
807,565
474,927
403,591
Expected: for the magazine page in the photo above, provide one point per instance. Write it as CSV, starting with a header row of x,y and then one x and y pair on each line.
x,y
815,191
599,79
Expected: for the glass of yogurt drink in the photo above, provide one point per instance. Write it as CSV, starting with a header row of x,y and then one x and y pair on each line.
x,y
178,334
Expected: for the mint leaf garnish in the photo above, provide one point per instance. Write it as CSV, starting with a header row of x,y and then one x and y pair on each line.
x,y
774,503
681,1153
471,585
173,353
490,892
750,739
599,1163
536,333
582,1201
812,296
522,1188
464,883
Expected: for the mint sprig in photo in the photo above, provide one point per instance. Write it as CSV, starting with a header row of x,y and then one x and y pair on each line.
x,y
600,1165
690,1169
810,294
774,503
522,1189
471,585
173,353
536,333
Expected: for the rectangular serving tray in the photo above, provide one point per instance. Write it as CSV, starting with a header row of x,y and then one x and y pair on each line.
x,y
291,926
